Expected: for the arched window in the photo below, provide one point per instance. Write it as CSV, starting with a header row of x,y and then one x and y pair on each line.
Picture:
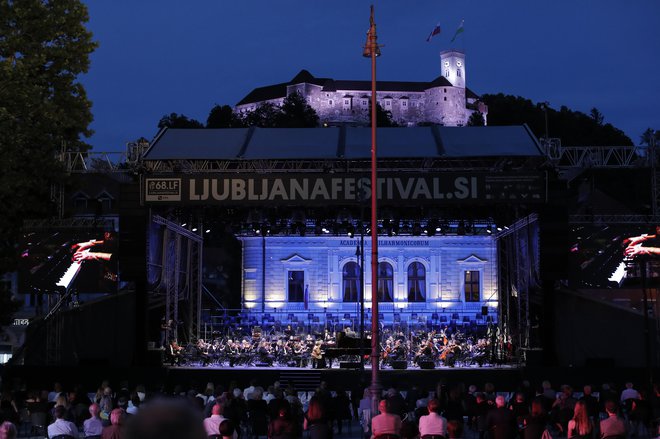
x,y
351,282
385,282
416,282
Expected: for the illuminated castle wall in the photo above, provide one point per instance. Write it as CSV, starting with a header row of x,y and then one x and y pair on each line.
x,y
445,100
314,274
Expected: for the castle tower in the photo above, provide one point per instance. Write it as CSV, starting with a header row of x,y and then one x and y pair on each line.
x,y
452,63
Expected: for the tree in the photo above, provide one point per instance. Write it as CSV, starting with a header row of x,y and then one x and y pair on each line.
x,y
649,136
597,116
476,120
572,127
223,117
265,116
383,117
297,113
44,47
174,120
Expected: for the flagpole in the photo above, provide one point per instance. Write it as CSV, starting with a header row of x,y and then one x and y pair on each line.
x,y
372,50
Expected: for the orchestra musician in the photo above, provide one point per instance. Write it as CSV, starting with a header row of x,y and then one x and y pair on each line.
x,y
317,356
175,352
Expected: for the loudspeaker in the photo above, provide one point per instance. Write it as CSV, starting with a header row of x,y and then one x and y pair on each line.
x,y
350,365
399,364
484,310
426,365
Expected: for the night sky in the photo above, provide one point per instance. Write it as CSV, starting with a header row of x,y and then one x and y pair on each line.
x,y
162,56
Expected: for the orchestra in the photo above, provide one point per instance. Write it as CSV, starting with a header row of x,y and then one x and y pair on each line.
x,y
449,348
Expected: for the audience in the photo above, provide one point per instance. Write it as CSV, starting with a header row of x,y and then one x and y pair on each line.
x,y
406,414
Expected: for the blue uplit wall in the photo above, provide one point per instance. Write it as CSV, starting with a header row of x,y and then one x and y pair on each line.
x,y
321,259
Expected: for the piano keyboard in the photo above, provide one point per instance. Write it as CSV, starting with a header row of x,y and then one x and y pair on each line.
x,y
619,273
69,275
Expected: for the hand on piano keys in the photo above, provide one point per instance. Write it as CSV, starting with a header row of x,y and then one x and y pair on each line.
x,y
69,275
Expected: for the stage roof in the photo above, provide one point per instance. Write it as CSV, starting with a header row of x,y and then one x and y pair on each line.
x,y
353,143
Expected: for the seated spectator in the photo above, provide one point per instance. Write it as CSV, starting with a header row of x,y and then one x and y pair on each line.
x,y
316,420
500,421
580,427
212,423
61,426
433,424
613,425
165,419
114,430
385,423
93,426
227,429
534,424
8,430
454,429
282,427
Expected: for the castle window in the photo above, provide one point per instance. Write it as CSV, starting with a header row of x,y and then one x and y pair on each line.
x,y
347,101
447,73
445,98
364,102
388,103
385,282
351,282
471,285
330,102
296,286
458,72
416,282
445,90
404,103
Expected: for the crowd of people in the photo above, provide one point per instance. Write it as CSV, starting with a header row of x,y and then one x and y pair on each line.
x,y
446,411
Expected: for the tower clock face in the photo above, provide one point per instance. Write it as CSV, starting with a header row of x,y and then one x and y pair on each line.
x,y
459,64
446,63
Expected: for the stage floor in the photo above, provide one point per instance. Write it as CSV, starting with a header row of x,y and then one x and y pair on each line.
x,y
366,367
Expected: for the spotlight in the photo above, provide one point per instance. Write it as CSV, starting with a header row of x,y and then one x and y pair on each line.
x,y
184,224
351,231
194,229
208,231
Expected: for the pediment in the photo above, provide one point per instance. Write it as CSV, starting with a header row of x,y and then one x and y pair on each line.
x,y
296,259
472,259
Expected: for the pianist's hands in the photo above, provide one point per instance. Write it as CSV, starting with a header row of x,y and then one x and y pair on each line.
x,y
638,250
85,255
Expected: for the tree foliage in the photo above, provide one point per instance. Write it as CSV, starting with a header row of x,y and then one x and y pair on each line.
x,y
572,127
476,120
174,120
44,47
222,116
297,113
649,136
383,117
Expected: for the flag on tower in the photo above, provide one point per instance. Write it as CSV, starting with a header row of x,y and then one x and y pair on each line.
x,y
458,31
434,32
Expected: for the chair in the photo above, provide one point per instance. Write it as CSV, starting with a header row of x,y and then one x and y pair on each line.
x,y
435,317
347,316
443,319
454,316
397,317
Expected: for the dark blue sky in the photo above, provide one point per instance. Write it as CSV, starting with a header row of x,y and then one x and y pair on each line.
x,y
162,56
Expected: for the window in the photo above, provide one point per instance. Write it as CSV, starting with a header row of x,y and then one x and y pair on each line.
x,y
445,98
447,73
80,202
385,282
445,90
416,282
330,102
351,282
388,103
458,72
471,279
347,102
296,286
364,102
404,103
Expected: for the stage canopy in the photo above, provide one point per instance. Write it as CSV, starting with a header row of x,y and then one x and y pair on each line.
x,y
351,143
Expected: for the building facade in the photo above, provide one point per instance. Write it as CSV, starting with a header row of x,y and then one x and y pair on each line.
x,y
419,277
444,101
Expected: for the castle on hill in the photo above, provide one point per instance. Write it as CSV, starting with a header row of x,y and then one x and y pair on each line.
x,y
443,101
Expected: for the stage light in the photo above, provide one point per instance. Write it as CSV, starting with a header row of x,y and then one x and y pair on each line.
x,y
489,230
184,224
499,229
208,231
194,229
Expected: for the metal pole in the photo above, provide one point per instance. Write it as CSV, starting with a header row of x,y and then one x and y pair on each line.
x,y
375,357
